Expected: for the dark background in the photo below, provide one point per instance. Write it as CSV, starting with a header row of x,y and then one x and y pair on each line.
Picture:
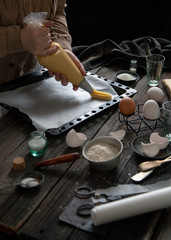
x,y
92,21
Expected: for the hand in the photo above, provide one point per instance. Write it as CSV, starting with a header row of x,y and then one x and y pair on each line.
x,y
38,41
62,77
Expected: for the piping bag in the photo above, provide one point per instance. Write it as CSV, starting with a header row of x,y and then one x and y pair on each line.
x,y
61,62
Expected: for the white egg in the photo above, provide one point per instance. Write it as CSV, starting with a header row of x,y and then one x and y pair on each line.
x,y
75,139
120,134
162,141
156,94
150,149
151,110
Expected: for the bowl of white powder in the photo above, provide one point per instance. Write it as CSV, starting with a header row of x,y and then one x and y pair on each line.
x,y
103,153
127,76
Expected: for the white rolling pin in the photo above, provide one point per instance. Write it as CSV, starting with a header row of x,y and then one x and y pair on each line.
x,y
131,206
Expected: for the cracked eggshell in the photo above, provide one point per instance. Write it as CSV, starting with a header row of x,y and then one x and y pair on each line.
x,y
155,93
120,134
151,110
150,149
162,141
75,139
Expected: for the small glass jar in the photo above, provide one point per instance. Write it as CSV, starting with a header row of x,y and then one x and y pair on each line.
x,y
37,143
133,65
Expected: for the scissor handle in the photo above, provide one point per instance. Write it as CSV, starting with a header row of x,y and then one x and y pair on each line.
x,y
83,192
85,210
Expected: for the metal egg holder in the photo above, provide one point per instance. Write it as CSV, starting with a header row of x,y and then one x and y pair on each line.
x,y
137,122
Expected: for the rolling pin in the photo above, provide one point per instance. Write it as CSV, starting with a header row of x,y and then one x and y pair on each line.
x,y
60,159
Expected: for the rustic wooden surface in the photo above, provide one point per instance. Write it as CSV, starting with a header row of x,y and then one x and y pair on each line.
x,y
34,214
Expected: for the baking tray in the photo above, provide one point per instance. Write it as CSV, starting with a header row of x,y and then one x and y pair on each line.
x,y
122,91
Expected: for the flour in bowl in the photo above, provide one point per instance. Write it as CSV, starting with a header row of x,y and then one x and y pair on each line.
x,y
101,152
126,77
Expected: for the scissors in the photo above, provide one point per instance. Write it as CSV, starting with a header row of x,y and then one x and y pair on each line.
x,y
85,192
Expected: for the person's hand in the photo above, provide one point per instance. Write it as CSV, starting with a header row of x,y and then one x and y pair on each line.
x,y
62,77
38,41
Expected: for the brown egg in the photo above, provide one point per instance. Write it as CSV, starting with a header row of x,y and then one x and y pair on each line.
x,y
127,106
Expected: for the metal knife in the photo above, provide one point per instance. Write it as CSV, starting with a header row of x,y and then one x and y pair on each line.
x,y
141,175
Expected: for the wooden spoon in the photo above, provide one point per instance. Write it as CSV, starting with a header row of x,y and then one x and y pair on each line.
x,y
152,164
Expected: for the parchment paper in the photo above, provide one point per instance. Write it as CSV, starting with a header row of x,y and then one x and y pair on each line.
x,y
150,197
131,206
50,105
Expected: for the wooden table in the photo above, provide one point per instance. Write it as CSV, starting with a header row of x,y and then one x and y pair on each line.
x,y
35,214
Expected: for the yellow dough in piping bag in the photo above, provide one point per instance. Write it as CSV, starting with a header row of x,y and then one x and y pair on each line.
x,y
101,95
61,62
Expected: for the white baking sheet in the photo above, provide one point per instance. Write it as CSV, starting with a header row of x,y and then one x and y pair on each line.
x,y
50,105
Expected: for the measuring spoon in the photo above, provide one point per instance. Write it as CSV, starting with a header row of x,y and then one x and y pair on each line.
x,y
152,164
28,181
31,180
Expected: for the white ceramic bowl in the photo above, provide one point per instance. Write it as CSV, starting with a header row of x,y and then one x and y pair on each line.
x,y
104,165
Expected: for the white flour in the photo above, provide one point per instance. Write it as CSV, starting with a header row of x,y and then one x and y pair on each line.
x,y
126,77
101,152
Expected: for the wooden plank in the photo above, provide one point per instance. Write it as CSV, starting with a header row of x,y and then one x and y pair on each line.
x,y
25,230
163,230
50,209
14,131
89,128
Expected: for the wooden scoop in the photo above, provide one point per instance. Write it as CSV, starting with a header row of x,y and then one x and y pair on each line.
x,y
152,164
60,159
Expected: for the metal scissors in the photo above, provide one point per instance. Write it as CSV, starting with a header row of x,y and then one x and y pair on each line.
x,y
85,192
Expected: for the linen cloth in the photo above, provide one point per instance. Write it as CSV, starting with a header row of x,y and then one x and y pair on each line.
x,y
108,53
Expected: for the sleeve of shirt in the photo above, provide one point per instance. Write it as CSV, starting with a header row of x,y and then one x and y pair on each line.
x,y
60,32
10,40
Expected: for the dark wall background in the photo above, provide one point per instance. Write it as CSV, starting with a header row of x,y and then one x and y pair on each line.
x,y
92,21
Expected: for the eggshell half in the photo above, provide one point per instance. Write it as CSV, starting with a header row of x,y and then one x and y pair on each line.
x,y
120,134
75,139
162,141
150,149
151,110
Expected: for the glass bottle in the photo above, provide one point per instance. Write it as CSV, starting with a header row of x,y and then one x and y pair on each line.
x,y
133,65
37,143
